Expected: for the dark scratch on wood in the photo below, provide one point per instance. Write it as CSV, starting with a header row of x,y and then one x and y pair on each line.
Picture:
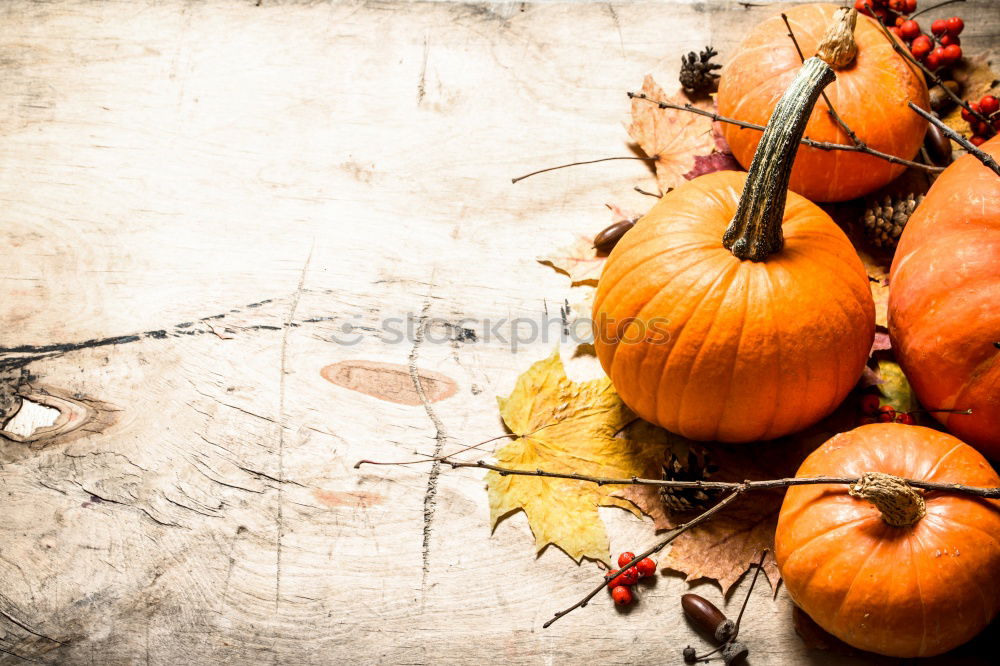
x,y
422,81
614,17
440,437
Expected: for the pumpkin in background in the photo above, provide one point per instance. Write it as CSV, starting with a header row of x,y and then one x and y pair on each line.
x,y
914,580
725,314
944,300
870,94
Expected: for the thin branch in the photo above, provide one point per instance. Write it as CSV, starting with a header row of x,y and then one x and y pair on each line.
x,y
806,141
931,75
563,166
769,484
739,618
429,458
958,138
855,139
933,7
674,533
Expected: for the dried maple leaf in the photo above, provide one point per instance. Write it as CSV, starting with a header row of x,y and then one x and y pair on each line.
x,y
724,547
569,427
579,260
672,138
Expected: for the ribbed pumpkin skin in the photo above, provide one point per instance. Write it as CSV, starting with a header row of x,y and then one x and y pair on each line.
x,y
911,591
944,300
756,350
870,95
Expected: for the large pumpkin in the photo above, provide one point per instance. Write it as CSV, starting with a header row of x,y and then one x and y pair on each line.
x,y
944,300
870,94
725,314
914,580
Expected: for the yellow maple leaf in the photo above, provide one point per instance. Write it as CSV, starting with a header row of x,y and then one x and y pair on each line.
x,y
566,427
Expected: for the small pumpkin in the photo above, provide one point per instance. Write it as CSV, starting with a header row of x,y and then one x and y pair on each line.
x,y
730,313
870,94
944,317
880,565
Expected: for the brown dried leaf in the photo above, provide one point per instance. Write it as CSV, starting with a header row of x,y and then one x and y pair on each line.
x,y
579,260
672,138
878,280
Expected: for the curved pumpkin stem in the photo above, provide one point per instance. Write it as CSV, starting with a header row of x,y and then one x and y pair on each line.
x,y
755,231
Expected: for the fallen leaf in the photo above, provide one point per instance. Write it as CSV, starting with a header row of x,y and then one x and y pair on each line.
x,y
579,260
976,78
672,138
895,387
724,547
711,163
878,280
565,426
881,342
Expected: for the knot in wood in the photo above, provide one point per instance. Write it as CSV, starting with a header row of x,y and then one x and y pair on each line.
x,y
838,47
901,505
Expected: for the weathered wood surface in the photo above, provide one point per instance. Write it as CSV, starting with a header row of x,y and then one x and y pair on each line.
x,y
196,199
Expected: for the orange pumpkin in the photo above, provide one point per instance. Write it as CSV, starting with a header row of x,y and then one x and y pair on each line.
x,y
725,314
881,566
944,317
870,94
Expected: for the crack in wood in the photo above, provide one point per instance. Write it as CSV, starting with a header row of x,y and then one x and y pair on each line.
x,y
440,437
279,518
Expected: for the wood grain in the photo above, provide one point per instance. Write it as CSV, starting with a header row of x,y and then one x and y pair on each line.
x,y
202,205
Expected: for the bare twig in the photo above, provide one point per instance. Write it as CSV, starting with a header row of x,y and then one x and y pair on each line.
x,y
985,158
933,7
906,55
429,458
563,166
769,484
812,143
739,618
674,533
855,139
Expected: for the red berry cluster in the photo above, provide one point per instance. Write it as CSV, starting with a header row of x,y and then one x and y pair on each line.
x,y
874,412
886,9
989,107
620,582
941,49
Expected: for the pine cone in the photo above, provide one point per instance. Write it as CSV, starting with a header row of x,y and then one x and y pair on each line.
x,y
885,218
697,468
697,73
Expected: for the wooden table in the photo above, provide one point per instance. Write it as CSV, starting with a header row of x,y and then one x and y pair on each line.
x,y
206,204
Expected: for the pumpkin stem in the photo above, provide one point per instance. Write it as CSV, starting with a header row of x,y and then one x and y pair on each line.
x,y
755,230
900,504
838,47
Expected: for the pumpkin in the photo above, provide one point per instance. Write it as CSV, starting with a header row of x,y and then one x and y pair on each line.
x,y
870,95
729,312
944,318
885,567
